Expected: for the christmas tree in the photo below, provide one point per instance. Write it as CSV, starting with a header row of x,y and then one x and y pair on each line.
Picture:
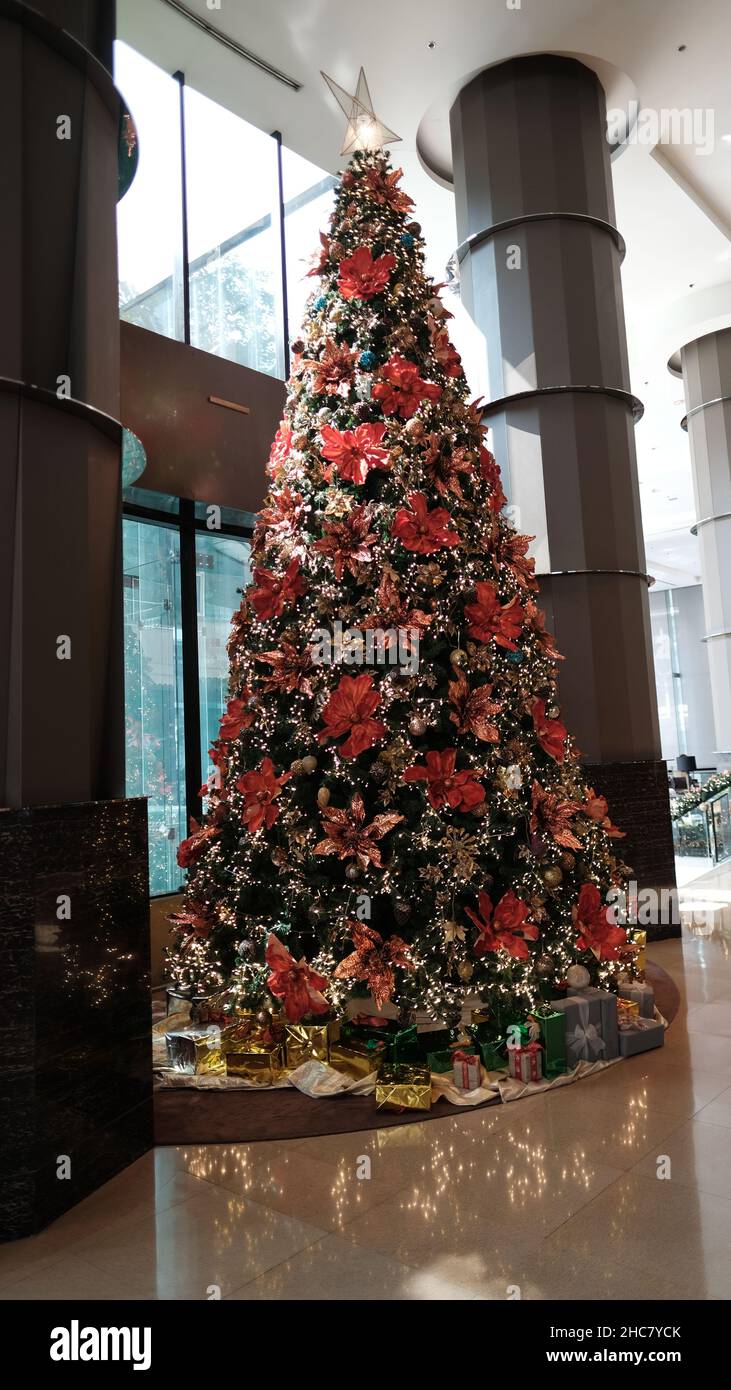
x,y
397,807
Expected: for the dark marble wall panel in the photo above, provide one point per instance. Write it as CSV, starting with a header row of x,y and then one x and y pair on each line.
x,y
640,789
75,1068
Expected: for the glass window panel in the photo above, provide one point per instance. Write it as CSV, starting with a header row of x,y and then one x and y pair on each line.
x,y
149,216
222,564
153,680
308,202
233,237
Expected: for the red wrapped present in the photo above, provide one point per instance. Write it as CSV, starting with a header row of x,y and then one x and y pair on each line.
x,y
526,1063
467,1073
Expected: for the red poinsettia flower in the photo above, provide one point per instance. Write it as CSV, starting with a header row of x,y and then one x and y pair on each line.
x,y
348,711
551,733
444,466
536,621
373,960
514,552
281,446
290,669
553,814
492,621
597,809
596,932
354,452
360,277
445,786
236,717
348,542
383,188
260,790
393,615
445,353
273,593
280,518
490,474
422,530
401,390
323,256
506,928
332,373
294,982
194,918
190,850
348,836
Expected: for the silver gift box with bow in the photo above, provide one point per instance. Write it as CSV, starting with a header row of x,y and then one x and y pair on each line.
x,y
592,1034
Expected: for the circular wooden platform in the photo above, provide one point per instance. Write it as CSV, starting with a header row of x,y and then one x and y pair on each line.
x,y
187,1116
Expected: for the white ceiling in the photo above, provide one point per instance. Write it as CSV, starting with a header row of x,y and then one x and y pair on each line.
x,y
673,202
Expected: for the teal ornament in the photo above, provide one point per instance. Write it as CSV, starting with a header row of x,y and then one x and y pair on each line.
x,y
407,240
367,360
320,303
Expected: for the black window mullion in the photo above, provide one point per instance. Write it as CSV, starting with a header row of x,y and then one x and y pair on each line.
x,y
191,686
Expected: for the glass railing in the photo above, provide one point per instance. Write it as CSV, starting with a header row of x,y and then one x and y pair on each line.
x,y
704,831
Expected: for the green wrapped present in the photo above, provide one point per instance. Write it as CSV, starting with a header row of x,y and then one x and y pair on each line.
x,y
403,1087
552,1024
493,1054
402,1044
440,1061
433,1040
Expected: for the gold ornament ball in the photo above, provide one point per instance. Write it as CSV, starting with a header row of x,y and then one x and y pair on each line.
x,y
567,862
458,657
417,725
552,876
553,711
323,797
264,1017
465,970
309,764
352,873
296,767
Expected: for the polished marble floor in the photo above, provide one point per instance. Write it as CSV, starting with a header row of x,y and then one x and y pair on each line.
x,y
617,1187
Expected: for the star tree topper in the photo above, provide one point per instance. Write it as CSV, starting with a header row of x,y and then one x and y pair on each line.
x,y
364,131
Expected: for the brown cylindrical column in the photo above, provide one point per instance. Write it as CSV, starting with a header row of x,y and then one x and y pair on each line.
x,y
706,365
540,271
61,720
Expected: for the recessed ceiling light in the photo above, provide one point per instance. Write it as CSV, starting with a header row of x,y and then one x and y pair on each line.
x,y
431,44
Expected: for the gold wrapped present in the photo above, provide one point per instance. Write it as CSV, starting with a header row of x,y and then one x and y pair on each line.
x,y
402,1086
306,1042
639,939
627,1011
259,1062
479,1016
196,1051
356,1058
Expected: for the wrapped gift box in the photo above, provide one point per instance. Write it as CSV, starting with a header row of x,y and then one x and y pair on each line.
x,y
641,994
493,1054
259,1062
433,1040
402,1044
401,1086
196,1051
627,1011
591,1025
526,1063
306,1042
466,1070
441,1061
642,1036
552,1023
358,1059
